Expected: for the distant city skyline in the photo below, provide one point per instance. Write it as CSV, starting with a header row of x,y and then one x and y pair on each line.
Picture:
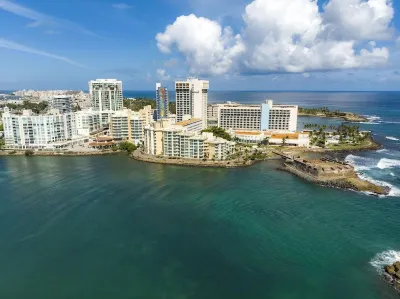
x,y
295,45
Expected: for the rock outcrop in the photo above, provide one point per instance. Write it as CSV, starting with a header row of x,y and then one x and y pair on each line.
x,y
392,275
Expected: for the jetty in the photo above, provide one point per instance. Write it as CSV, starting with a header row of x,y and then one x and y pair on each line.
x,y
329,172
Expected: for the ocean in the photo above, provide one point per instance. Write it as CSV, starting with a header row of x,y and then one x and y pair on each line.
x,y
112,227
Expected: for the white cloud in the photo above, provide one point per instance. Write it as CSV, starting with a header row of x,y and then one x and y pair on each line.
x,y
162,75
359,19
18,47
122,6
208,48
285,36
40,18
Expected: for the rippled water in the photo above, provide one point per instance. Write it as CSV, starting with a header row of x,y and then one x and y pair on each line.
x,y
111,227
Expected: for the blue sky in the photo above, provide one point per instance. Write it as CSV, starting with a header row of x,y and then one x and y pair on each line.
x,y
64,44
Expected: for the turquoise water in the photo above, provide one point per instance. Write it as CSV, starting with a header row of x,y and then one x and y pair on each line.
x,y
112,227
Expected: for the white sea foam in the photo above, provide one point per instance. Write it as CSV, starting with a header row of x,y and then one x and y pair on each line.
x,y
373,118
385,258
382,150
388,163
362,164
392,138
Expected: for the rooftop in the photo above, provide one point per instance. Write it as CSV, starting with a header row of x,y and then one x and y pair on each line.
x,y
188,122
255,133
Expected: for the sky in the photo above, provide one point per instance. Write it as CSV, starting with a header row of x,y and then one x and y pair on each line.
x,y
236,44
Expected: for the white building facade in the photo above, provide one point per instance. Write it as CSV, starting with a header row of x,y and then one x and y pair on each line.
x,y
129,125
192,99
175,141
106,94
29,131
266,116
63,103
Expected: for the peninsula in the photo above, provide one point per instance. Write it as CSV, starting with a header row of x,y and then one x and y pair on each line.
x,y
326,112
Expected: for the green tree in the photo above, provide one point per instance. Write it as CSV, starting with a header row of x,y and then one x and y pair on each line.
x,y
127,147
219,132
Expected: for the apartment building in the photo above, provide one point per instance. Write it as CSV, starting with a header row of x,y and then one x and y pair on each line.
x,y
87,121
64,103
174,141
191,125
162,101
153,136
106,94
32,131
129,125
266,116
192,99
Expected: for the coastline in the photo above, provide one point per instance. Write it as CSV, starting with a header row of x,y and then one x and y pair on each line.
x,y
349,116
353,183
139,156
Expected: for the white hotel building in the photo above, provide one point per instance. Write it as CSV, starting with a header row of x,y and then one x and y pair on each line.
x,y
192,99
264,117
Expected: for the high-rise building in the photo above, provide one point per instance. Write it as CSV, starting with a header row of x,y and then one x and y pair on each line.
x,y
192,99
106,94
162,101
264,117
63,103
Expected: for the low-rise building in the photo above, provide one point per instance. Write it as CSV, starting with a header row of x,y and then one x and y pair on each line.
x,y
300,139
30,131
161,138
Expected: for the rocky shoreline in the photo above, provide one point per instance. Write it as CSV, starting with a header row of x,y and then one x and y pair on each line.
x,y
351,183
348,116
392,275
138,155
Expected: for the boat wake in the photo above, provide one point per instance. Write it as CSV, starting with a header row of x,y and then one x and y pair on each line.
x,y
383,259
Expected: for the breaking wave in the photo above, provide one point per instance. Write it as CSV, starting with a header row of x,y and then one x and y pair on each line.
x,y
392,138
388,163
363,164
385,258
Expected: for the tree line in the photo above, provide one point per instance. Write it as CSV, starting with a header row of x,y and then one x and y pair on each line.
x,y
140,103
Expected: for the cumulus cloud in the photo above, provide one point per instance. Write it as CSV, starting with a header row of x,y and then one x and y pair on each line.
x,y
359,19
208,48
285,36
